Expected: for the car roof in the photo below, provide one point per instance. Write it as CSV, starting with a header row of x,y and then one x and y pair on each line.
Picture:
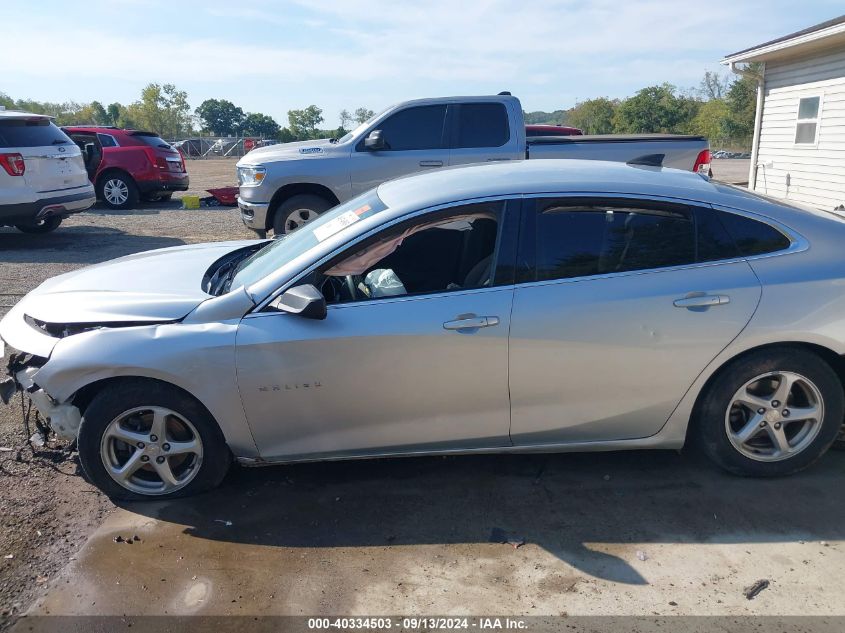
x,y
542,176
18,114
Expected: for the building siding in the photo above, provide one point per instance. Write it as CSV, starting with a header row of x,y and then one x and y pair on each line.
x,y
809,174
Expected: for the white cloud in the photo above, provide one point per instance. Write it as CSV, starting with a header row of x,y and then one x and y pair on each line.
x,y
554,50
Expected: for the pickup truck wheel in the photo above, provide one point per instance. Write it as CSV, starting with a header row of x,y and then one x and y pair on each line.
x,y
44,226
143,439
298,210
118,191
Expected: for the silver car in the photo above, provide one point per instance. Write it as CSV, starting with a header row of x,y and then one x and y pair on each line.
x,y
534,306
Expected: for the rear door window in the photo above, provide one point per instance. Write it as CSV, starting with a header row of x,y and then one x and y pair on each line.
x,y
415,128
30,133
482,125
564,239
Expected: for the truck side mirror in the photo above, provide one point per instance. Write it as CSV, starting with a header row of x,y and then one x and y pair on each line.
x,y
305,301
375,141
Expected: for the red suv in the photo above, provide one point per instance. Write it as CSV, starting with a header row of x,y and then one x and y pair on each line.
x,y
128,165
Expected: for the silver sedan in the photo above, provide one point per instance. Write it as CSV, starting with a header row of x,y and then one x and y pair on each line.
x,y
533,306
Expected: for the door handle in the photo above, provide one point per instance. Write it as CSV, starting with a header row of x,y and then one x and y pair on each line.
x,y
471,323
702,301
490,160
431,163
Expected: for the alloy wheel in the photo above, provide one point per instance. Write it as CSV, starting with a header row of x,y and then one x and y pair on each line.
x,y
774,416
116,191
151,450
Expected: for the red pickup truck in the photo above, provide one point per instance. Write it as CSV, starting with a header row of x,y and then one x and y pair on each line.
x,y
128,165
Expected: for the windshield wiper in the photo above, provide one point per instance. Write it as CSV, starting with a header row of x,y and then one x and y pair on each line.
x,y
59,141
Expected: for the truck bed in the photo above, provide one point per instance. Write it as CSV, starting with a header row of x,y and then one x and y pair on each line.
x,y
680,151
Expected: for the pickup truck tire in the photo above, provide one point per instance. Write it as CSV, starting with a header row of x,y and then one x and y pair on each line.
x,y
44,226
118,191
298,210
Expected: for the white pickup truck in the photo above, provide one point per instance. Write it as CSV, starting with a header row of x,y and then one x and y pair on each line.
x,y
284,186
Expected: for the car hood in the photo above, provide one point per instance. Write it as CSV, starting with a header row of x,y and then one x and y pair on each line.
x,y
160,285
321,148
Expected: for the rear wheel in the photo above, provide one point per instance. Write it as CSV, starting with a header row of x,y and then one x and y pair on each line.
x,y
118,191
771,413
297,211
144,439
44,226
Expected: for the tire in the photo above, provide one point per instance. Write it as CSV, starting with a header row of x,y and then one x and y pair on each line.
x,y
839,443
756,377
118,191
298,210
44,226
127,408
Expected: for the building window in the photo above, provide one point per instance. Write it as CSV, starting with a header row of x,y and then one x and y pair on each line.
x,y
807,127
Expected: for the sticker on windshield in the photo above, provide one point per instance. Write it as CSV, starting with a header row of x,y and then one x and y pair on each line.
x,y
333,226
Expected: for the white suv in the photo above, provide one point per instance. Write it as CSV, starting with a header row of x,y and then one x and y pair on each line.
x,y
42,174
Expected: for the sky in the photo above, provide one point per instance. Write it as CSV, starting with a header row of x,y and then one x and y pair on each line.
x,y
276,55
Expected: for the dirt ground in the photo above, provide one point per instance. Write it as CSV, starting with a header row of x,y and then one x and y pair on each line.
x,y
639,533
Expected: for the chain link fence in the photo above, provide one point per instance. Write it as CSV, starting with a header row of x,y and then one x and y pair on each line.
x,y
207,147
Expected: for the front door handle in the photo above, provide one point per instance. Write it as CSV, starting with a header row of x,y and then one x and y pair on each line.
x,y
491,160
702,301
431,163
471,323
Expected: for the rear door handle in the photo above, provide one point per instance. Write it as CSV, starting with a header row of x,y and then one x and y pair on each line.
x,y
431,163
490,160
471,323
702,301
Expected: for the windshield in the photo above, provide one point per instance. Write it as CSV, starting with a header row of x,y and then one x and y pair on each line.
x,y
283,250
350,135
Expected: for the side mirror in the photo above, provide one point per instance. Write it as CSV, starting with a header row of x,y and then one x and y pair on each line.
x,y
305,300
375,141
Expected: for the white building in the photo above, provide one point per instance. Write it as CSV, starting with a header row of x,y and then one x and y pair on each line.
x,y
799,131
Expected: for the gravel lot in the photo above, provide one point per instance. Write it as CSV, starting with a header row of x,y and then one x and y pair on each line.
x,y
399,536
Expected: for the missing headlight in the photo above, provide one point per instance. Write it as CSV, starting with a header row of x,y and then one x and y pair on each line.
x,y
59,330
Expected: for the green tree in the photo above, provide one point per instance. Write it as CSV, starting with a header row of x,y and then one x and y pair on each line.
x,y
593,116
221,117
362,115
257,124
345,118
114,110
710,120
303,123
741,100
655,109
162,109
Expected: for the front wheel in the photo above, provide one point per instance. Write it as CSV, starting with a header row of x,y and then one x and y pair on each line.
x,y
771,413
44,226
143,439
297,211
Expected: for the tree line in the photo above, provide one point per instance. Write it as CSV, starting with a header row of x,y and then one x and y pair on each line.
x,y
164,109
720,108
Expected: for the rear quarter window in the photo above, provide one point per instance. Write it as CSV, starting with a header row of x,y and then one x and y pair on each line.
x,y
753,237
30,133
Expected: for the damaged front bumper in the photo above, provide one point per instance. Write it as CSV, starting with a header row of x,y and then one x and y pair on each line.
x,y
64,418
